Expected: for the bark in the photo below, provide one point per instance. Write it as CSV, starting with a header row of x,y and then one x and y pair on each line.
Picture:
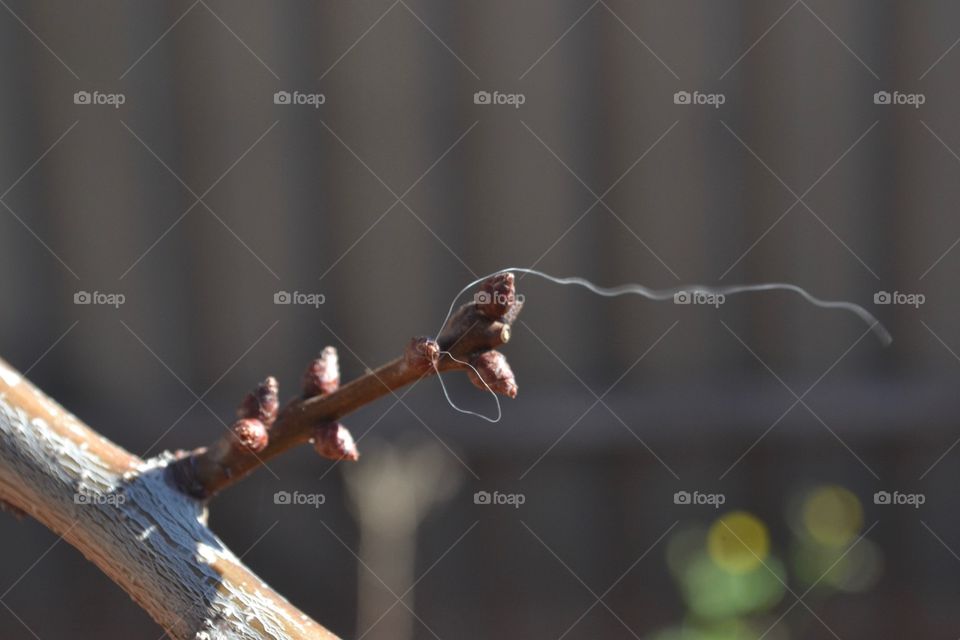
x,y
127,517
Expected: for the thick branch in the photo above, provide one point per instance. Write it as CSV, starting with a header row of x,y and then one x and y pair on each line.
x,y
474,330
125,516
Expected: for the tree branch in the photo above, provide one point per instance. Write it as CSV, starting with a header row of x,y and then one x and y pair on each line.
x,y
143,522
471,335
125,516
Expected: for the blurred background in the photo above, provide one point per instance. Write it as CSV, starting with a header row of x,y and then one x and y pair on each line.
x,y
760,469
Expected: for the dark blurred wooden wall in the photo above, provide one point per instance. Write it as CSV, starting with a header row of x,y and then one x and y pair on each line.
x,y
300,211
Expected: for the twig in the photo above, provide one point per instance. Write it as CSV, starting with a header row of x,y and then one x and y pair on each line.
x,y
471,335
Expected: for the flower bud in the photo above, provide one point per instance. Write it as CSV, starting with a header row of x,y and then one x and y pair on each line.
x,y
333,440
492,368
250,434
269,396
261,404
422,353
496,296
323,374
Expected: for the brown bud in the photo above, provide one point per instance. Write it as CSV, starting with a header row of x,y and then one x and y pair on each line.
x,y
496,296
422,353
333,440
262,403
250,434
493,369
323,374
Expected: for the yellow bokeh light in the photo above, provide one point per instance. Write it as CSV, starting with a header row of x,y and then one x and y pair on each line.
x,y
738,542
833,515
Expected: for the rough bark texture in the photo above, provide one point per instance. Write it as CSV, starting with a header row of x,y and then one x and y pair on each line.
x,y
125,516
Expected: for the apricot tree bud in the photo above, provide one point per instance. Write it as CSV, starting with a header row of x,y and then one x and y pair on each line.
x,y
323,374
492,368
422,354
496,296
250,434
262,403
333,440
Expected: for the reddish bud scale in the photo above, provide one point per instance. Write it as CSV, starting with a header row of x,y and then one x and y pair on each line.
x,y
250,434
323,374
422,353
496,296
335,442
492,368
263,403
